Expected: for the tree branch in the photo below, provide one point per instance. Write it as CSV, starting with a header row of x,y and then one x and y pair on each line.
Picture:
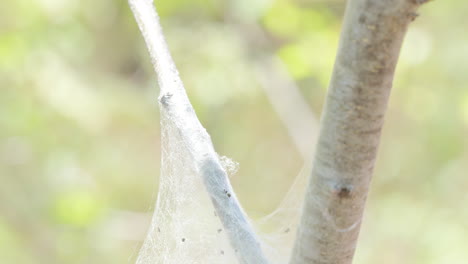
x,y
350,131
175,105
289,104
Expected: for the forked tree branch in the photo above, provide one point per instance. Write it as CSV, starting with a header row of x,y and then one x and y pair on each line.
x,y
352,120
175,105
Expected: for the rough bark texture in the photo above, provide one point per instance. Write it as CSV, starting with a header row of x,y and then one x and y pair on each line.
x,y
350,129
175,105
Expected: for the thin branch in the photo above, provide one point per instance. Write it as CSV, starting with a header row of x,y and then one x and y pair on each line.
x,y
175,105
350,130
283,93
289,104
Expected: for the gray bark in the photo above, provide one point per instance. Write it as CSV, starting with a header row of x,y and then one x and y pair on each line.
x,y
352,120
176,107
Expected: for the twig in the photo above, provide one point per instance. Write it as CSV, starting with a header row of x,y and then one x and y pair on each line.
x,y
289,104
175,105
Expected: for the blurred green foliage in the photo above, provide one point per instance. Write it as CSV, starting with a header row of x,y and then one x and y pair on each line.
x,y
79,129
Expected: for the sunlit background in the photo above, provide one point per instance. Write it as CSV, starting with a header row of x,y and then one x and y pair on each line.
x,y
79,123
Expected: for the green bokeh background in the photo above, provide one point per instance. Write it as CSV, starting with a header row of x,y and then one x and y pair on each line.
x,y
79,124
